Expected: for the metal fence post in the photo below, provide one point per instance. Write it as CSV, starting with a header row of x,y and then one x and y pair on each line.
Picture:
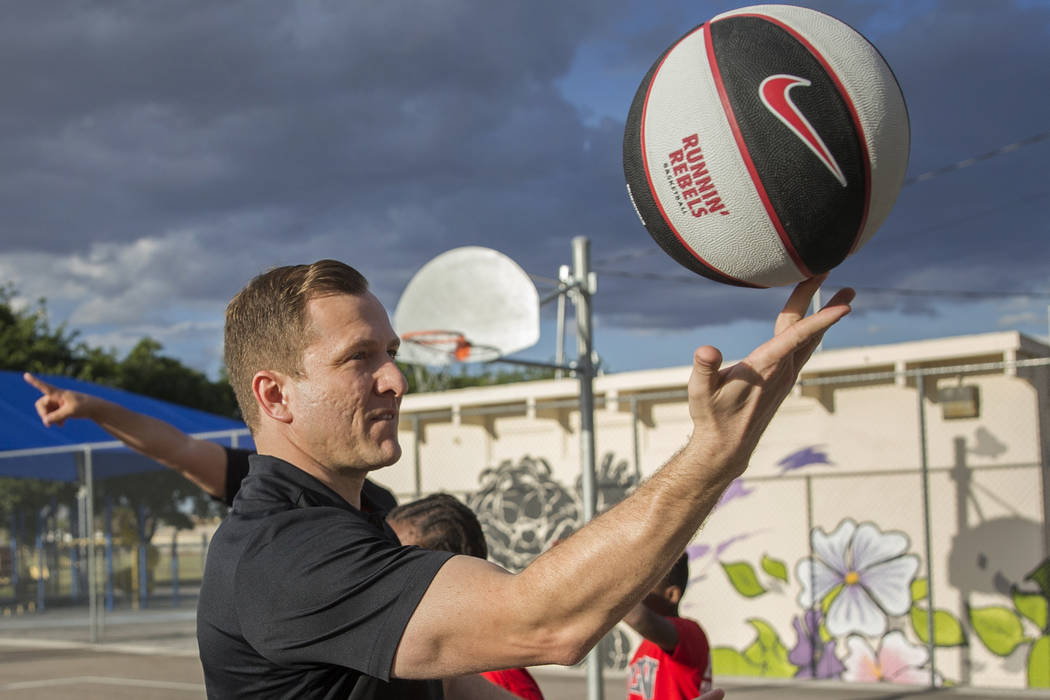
x,y
636,441
417,462
920,383
814,631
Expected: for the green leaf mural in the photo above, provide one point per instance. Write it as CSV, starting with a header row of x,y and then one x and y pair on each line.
x,y
1031,605
730,662
775,568
744,579
947,630
919,589
998,628
766,656
1041,577
768,652
1039,664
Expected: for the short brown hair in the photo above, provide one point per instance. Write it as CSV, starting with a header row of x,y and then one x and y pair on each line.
x,y
266,322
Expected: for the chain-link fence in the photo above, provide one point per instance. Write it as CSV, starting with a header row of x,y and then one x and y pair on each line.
x,y
872,500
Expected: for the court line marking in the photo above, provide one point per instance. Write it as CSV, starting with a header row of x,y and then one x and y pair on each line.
x,y
140,649
104,680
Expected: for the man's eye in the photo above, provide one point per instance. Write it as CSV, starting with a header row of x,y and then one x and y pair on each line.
x,y
392,352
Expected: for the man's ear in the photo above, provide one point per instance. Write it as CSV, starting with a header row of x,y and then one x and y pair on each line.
x,y
269,388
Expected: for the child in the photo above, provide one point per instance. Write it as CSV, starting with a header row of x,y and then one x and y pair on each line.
x,y
444,523
674,659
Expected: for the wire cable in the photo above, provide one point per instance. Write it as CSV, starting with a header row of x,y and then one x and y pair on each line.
x,y
958,293
923,177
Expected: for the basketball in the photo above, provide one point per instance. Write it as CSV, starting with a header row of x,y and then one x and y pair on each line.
x,y
766,146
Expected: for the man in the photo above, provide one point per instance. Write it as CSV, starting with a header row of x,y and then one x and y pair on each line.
x,y
215,469
305,595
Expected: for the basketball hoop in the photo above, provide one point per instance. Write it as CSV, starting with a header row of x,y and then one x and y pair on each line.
x,y
438,347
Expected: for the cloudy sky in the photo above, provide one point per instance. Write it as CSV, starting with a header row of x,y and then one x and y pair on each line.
x,y
159,155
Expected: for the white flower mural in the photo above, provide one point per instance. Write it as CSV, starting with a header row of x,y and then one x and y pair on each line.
x,y
872,571
896,661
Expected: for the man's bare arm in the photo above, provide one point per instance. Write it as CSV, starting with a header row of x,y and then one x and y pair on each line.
x,y
201,461
476,616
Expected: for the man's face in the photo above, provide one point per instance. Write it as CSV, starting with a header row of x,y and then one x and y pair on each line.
x,y
345,405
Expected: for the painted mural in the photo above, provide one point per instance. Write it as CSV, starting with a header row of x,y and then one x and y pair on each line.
x,y
855,609
524,511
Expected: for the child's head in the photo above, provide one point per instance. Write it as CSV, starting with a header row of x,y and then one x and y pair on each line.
x,y
442,522
664,598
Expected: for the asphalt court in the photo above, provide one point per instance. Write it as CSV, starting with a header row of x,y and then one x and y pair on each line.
x,y
152,655
48,672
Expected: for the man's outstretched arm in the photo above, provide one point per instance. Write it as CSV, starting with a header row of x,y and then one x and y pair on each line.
x,y
201,461
476,616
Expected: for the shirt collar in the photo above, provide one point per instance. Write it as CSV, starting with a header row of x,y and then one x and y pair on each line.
x,y
278,480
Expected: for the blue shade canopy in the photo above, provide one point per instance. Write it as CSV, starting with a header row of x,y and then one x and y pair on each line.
x,y
30,449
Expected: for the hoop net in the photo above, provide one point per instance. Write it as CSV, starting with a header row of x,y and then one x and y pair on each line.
x,y
438,347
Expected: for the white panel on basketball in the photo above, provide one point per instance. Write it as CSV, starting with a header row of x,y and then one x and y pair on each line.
x,y
879,105
683,101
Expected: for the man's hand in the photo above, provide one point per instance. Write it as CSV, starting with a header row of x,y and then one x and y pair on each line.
x,y
56,405
731,407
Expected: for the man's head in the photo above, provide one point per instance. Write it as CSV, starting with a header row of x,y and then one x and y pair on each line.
x,y
310,353
667,594
441,522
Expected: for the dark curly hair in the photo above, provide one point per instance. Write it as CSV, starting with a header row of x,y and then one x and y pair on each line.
x,y
445,524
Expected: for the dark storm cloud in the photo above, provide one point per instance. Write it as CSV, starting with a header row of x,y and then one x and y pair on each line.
x,y
194,144
125,120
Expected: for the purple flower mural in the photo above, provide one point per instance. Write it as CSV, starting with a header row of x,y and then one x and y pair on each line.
x,y
814,658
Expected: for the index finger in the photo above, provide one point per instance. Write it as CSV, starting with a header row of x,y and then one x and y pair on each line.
x,y
41,386
802,332
798,303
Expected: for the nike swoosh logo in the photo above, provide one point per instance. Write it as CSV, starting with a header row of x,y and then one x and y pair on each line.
x,y
774,92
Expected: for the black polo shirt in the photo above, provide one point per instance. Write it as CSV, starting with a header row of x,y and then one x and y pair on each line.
x,y
237,469
305,596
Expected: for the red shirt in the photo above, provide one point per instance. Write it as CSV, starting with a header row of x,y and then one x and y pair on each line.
x,y
516,680
682,675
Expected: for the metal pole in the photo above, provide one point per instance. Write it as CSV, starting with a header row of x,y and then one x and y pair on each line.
x,y
920,383
89,533
814,604
41,559
636,441
816,307
559,348
175,568
581,261
417,463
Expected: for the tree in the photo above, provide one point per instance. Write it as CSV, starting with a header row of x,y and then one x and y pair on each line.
x,y
28,342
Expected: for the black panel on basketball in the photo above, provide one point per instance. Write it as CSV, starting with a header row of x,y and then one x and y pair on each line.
x,y
642,196
806,197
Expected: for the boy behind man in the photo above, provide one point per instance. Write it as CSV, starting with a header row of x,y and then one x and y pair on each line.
x,y
444,523
674,660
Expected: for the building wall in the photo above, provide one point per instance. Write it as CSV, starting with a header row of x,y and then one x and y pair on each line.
x,y
841,457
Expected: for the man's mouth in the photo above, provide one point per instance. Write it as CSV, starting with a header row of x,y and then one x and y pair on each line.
x,y
384,415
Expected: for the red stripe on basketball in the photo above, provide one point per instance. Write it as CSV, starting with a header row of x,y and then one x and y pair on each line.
x,y
649,177
746,156
852,111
